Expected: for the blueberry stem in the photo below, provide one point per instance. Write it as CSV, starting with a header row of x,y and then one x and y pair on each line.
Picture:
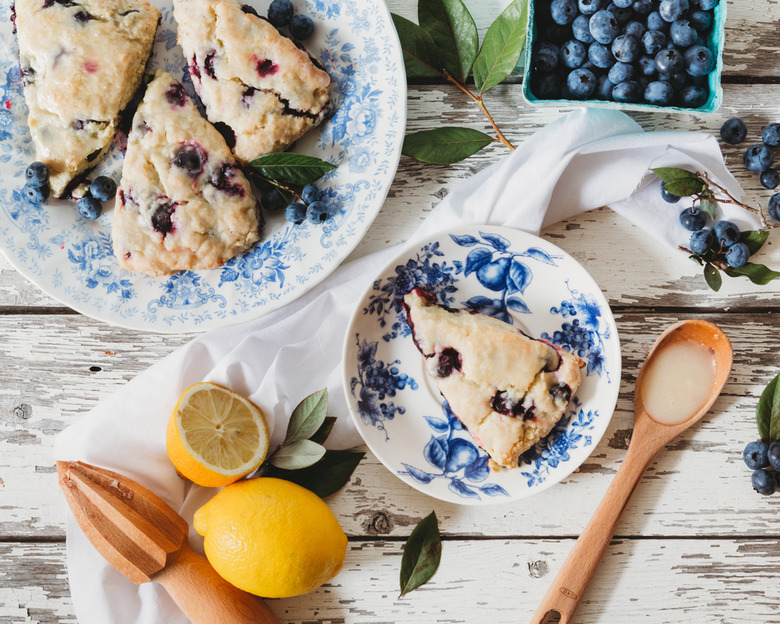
x,y
729,199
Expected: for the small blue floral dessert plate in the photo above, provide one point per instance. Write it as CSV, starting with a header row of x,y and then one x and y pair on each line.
x,y
71,259
518,278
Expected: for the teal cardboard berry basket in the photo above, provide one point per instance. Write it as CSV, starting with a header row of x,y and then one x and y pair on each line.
x,y
715,41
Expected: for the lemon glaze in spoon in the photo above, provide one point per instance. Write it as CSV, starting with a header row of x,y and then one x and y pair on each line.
x,y
684,346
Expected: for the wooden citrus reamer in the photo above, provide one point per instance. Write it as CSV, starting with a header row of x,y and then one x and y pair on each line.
x,y
146,540
649,437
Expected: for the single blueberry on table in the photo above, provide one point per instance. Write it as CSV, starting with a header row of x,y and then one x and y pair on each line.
x,y
580,28
668,197
280,12
701,20
589,7
604,26
563,12
774,206
755,455
773,455
770,178
693,219
581,83
726,234
573,53
646,65
37,174
672,10
604,88
635,29
36,194
682,33
733,131
310,193
295,213
628,91
653,42
625,48
771,135
701,241
763,482
272,200
737,255
319,212
90,207
659,93
103,188
657,23
621,72
699,61
669,61
301,27
693,96
600,55
758,158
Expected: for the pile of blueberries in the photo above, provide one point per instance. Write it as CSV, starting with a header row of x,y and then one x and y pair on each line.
x,y
311,207
652,51
280,14
764,461
36,189
758,157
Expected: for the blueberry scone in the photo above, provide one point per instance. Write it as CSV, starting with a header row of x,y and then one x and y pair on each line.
x,y
182,203
507,389
81,63
259,89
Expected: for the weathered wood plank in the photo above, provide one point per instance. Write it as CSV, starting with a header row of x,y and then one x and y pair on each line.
x,y
656,581
46,383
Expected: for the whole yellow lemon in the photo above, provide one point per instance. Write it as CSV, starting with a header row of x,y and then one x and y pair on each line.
x,y
271,537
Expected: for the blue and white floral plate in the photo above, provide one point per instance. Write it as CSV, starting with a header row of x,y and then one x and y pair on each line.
x,y
71,258
514,276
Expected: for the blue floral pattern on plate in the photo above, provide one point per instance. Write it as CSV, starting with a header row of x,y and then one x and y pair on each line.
x,y
71,259
513,276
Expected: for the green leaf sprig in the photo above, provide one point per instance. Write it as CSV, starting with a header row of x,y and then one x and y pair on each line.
x,y
446,44
768,412
422,554
303,459
709,194
289,172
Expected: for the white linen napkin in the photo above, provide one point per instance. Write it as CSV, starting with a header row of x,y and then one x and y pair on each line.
x,y
584,160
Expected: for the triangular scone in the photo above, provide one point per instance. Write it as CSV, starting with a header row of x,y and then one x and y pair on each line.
x,y
258,87
183,203
81,63
507,389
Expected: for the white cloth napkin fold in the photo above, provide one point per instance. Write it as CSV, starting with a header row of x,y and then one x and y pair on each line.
x,y
584,160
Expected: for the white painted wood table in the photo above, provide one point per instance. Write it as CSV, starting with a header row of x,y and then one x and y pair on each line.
x,y
696,544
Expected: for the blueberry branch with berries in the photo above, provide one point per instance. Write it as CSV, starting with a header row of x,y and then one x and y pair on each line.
x,y
763,455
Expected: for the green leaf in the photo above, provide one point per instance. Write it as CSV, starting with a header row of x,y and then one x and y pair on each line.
x,y
502,47
454,34
422,554
671,174
297,169
754,239
308,417
421,57
324,431
712,277
710,208
679,181
444,145
697,259
297,455
768,412
327,476
756,273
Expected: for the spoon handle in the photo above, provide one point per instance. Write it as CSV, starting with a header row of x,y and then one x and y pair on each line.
x,y
568,588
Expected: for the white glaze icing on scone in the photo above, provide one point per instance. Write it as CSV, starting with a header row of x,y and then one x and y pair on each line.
x,y
508,390
81,63
183,202
257,86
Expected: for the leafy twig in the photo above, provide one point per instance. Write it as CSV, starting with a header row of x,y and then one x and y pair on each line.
x,y
729,198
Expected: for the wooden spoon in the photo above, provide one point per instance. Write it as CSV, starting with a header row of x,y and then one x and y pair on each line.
x,y
649,437
146,540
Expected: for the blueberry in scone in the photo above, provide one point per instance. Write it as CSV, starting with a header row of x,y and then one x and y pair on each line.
x,y
259,89
506,388
183,202
81,63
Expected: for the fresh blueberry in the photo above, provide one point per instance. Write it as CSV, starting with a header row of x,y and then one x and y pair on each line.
x,y
733,131
103,188
653,42
604,26
628,91
669,61
693,96
604,88
319,212
310,193
683,33
622,15
693,219
657,23
771,135
773,455
643,7
623,4
301,27
763,482
737,255
635,29
770,178
699,61
677,79
659,93
701,20
701,241
758,158
756,455
672,10
272,200
647,67
621,72
708,5
573,53
563,12
625,48
280,12
295,213
668,197
36,194
774,206
580,28
726,234
581,83
589,7
546,56
600,55
37,174
90,207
